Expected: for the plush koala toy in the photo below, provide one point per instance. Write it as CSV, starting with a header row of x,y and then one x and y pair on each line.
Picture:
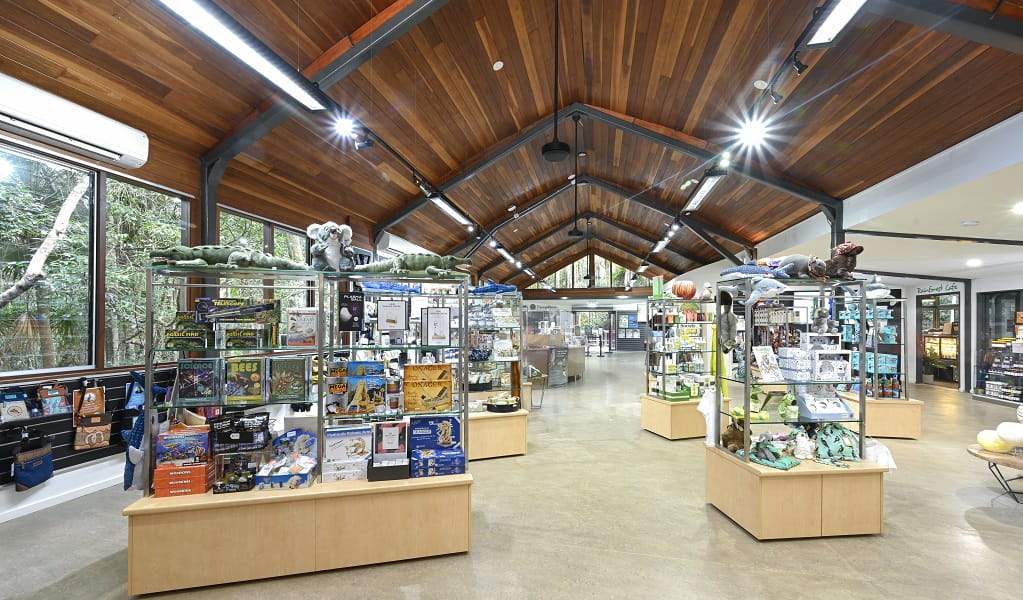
x,y
332,246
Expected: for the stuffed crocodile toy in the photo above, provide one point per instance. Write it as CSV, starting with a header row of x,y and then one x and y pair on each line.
x,y
430,264
229,257
751,268
493,288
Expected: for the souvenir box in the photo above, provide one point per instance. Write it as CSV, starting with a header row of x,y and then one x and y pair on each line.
x,y
366,394
428,372
300,327
361,368
182,445
437,458
831,365
344,444
436,432
423,396
243,383
437,471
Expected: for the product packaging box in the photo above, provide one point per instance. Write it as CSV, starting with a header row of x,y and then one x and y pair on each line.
x,y
183,445
337,397
793,353
165,474
390,452
198,381
819,341
346,470
822,408
300,327
351,310
185,339
831,365
435,432
361,368
288,379
423,396
428,372
344,444
236,471
436,471
244,380
366,394
437,458
246,336
292,462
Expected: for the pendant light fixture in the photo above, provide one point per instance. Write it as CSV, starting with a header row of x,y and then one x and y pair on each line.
x,y
576,232
555,150
589,259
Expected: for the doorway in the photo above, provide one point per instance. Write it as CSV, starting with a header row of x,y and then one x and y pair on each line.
x,y
596,327
938,320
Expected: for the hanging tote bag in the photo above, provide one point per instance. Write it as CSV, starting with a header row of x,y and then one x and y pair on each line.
x,y
33,461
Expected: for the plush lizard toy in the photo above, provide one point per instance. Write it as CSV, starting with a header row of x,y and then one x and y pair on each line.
x,y
493,288
228,257
430,264
751,269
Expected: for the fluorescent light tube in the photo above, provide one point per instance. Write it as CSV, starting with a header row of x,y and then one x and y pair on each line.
x,y
211,26
661,245
833,19
506,255
707,183
642,267
439,201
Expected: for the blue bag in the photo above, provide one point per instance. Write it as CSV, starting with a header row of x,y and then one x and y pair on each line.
x,y
32,466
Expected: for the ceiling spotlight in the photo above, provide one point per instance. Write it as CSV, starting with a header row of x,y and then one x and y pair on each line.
x,y
581,154
970,223
642,267
776,97
674,227
498,65
752,133
345,127
660,246
470,228
760,84
518,264
1017,208
493,243
571,176
798,65
364,143
511,208
685,184
974,262
724,163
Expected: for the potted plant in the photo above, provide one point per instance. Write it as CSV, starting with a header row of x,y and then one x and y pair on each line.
x,y
930,365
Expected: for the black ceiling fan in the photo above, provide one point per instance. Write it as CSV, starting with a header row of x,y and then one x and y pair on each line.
x,y
555,150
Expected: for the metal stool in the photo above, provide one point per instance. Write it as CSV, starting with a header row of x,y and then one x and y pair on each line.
x,y
536,380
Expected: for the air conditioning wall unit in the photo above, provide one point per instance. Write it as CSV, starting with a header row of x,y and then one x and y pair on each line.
x,y
33,113
390,245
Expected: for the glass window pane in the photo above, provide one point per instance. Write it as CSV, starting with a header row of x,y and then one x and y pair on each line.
x,y
290,245
138,219
618,275
926,320
946,299
579,270
236,230
927,302
47,326
603,274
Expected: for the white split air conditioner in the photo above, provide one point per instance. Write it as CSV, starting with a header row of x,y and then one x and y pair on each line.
x,y
390,245
33,113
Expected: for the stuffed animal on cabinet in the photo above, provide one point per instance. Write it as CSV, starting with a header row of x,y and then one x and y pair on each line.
x,y
332,246
843,260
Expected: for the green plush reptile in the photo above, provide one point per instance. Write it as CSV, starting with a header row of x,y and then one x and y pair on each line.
x,y
229,257
431,264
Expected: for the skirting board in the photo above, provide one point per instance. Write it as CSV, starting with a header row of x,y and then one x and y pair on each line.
x,y
65,485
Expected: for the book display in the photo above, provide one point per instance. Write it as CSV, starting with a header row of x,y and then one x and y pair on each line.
x,y
892,413
788,440
376,362
679,361
497,420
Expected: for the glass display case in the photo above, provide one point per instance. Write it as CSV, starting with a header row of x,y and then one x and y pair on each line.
x,y
495,345
1000,347
679,348
884,343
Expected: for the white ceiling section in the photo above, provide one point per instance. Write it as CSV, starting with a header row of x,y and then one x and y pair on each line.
x,y
979,179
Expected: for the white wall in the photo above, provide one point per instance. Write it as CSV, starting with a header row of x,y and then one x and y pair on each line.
x,y
65,485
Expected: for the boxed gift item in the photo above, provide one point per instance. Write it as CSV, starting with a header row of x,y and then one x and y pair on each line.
x,y
831,365
423,396
438,458
292,463
428,372
436,471
236,471
436,432
822,408
349,470
366,394
300,327
809,340
185,339
198,380
173,480
390,452
183,445
347,443
288,378
360,368
244,380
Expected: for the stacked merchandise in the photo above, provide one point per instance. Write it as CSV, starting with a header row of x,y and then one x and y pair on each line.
x,y
292,462
183,464
225,323
347,452
819,357
239,445
428,388
436,446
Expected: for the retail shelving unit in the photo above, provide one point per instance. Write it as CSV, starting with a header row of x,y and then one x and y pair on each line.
x,y
892,413
810,499
495,368
679,353
329,524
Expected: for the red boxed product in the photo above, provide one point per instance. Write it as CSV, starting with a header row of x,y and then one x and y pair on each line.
x,y
170,480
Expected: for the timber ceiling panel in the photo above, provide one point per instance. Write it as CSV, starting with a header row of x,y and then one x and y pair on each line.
x,y
751,210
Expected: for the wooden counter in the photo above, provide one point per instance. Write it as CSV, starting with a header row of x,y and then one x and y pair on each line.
x,y
810,500
888,417
494,434
674,420
207,539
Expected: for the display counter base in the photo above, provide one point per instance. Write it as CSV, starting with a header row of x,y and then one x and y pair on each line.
x,y
674,420
497,434
888,417
207,539
810,500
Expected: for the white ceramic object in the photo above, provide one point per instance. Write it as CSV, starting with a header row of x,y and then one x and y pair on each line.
x,y
1011,432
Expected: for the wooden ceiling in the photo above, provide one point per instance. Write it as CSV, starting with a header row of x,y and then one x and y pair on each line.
x,y
888,96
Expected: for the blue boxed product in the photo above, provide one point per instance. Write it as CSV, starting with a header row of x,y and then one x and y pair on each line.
x,y
822,408
435,471
293,462
361,368
435,433
437,458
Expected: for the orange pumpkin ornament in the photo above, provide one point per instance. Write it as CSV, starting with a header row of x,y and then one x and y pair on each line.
x,y
684,289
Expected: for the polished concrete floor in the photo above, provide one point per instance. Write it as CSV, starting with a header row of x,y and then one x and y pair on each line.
x,y
601,509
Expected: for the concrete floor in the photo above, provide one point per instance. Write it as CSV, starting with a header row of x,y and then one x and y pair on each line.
x,y
602,509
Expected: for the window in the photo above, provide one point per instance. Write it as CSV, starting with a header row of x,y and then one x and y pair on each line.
x,y
607,274
46,323
292,245
137,219
239,230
